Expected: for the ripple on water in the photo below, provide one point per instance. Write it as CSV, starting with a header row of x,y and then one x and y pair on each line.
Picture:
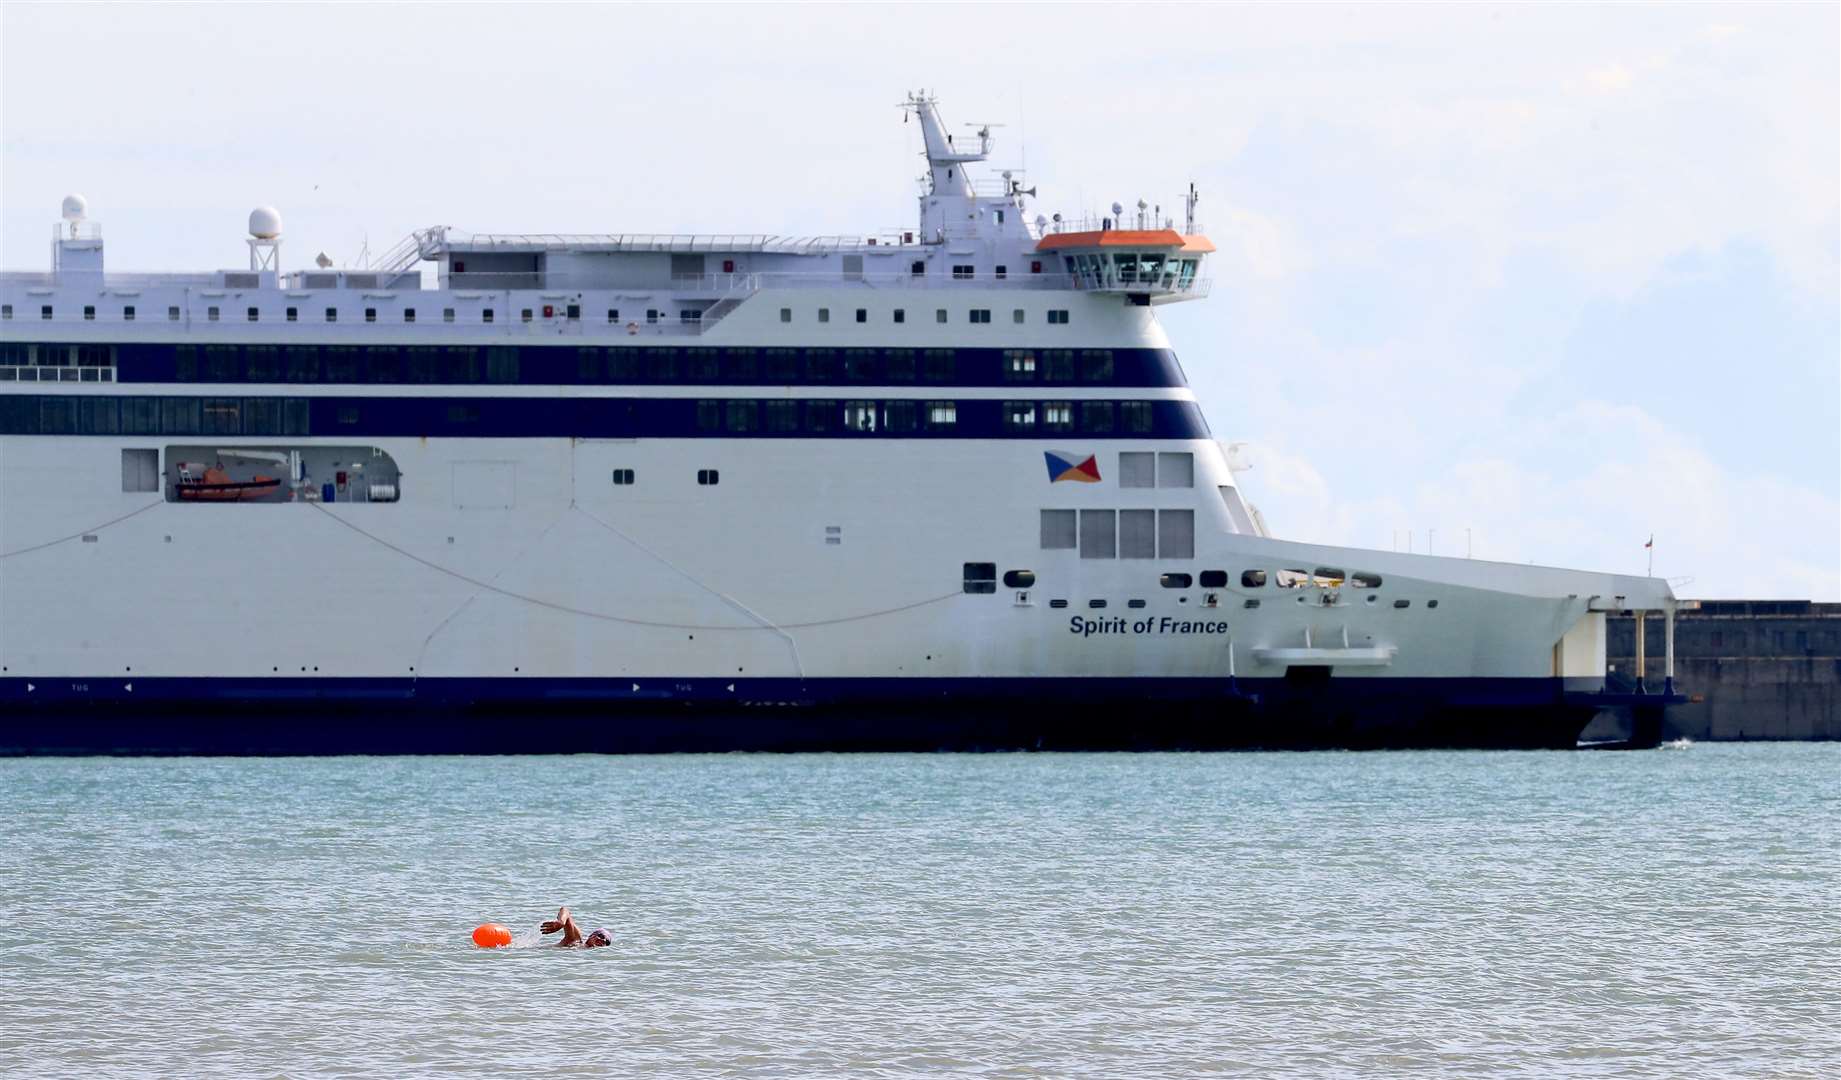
x,y
1003,916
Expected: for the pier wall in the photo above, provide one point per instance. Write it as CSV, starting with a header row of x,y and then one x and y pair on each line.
x,y
1763,669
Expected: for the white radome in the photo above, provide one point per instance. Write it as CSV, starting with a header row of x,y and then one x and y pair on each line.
x,y
265,223
75,206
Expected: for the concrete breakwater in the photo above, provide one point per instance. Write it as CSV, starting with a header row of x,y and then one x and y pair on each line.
x,y
1761,669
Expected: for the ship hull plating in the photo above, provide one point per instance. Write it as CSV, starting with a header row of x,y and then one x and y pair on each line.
x,y
510,716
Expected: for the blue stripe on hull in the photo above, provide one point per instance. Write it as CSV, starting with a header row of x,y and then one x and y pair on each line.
x,y
345,716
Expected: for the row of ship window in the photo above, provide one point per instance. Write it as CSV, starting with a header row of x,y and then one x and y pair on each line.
x,y
569,312
589,417
430,364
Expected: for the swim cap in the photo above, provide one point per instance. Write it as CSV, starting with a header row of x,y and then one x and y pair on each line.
x,y
598,932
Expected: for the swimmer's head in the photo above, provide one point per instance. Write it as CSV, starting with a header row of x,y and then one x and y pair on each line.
x,y
597,939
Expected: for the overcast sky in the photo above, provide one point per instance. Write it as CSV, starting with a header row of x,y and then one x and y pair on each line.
x,y
1552,278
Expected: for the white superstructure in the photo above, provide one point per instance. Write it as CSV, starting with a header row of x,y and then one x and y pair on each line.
x,y
943,486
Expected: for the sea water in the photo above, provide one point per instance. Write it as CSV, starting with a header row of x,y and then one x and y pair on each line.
x,y
1665,913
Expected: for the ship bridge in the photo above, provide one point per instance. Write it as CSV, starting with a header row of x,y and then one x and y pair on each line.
x,y
1150,266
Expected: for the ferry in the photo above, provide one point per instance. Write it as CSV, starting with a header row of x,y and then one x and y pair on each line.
x,y
942,487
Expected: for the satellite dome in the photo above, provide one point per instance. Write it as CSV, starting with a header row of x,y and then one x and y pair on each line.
x,y
75,206
1117,209
265,223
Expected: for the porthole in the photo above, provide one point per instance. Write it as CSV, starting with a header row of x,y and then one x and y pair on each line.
x,y
1431,603
1403,603
1057,603
1175,581
1096,603
1252,602
1134,603
1252,579
1019,579
1214,579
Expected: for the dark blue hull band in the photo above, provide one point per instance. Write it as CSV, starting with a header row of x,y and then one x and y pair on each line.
x,y
505,716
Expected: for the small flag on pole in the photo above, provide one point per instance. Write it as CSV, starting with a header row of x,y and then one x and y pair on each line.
x,y
1651,542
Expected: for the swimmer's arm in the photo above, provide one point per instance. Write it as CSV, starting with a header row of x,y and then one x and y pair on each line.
x,y
562,919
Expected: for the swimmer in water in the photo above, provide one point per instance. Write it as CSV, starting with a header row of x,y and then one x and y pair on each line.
x,y
572,934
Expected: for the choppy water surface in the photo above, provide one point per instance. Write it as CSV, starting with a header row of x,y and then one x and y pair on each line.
x,y
1661,913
